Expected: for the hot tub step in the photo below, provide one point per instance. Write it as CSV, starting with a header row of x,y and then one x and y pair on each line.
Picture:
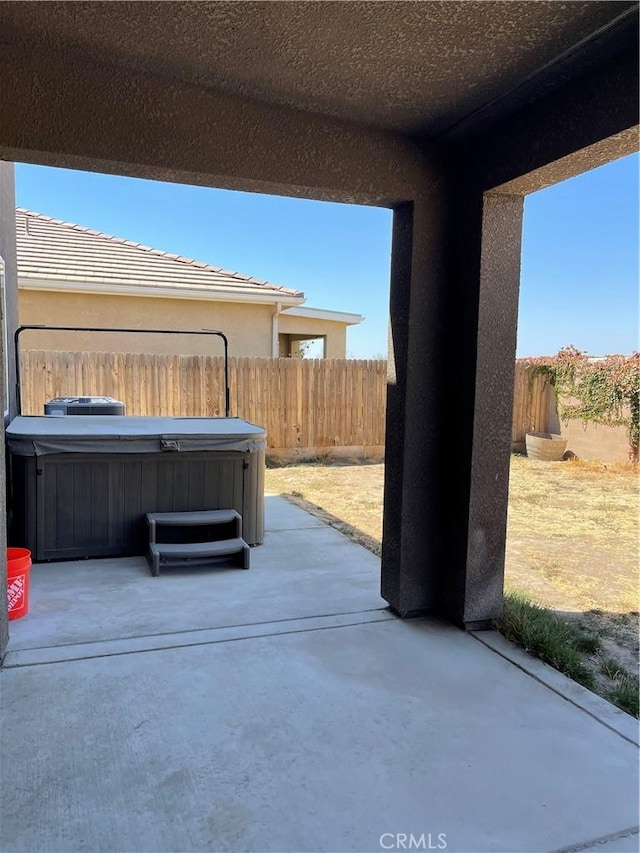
x,y
175,555
206,518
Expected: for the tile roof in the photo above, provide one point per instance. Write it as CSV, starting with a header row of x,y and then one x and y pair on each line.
x,y
54,250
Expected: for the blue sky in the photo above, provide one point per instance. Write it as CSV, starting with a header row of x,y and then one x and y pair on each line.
x,y
579,260
579,279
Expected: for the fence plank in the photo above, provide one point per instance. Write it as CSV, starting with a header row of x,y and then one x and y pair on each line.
x,y
531,401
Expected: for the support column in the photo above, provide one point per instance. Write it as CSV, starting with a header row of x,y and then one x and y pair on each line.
x,y
413,517
8,253
497,323
454,294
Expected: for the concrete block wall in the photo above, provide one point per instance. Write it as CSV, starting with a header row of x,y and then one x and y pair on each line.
x,y
589,441
596,441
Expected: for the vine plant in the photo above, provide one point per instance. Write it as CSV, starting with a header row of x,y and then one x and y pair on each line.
x,y
599,390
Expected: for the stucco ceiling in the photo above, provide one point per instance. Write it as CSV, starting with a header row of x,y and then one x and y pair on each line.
x,y
416,67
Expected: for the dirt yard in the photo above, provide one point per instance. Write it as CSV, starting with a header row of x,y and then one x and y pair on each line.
x,y
572,542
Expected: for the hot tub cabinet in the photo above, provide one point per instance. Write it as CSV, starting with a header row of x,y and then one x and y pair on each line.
x,y
81,486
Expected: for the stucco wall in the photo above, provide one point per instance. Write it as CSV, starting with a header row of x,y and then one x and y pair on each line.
x,y
8,253
334,333
247,326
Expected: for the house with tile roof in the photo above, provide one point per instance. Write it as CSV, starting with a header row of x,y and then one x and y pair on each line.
x,y
69,275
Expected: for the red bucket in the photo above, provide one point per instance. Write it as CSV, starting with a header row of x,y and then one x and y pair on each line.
x,y
18,566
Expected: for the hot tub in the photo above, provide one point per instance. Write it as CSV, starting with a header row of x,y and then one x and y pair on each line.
x,y
80,487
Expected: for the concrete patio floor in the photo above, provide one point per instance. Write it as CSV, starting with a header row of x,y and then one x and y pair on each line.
x,y
285,709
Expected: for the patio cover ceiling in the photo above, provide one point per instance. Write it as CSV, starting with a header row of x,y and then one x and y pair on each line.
x,y
432,69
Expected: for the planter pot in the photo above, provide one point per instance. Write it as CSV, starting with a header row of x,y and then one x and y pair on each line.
x,y
545,446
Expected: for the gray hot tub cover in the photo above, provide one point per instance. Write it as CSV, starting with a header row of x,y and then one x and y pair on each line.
x,y
41,435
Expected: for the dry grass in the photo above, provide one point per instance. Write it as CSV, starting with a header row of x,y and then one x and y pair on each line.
x,y
572,546
572,535
352,493
572,541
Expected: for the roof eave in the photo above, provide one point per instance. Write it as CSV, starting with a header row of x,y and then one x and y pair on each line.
x,y
207,294
322,314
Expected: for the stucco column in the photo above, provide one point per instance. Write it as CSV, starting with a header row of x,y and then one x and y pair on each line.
x,y
8,253
454,294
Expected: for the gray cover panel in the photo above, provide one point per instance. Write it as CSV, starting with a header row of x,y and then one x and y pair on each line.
x,y
42,435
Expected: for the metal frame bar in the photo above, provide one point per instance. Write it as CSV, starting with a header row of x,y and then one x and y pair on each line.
x,y
20,329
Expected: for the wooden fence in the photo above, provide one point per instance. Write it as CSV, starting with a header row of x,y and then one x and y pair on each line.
x,y
532,404
307,406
